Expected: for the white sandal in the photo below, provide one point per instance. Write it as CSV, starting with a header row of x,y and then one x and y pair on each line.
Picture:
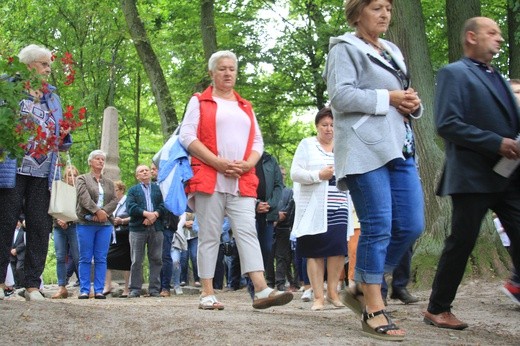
x,y
210,303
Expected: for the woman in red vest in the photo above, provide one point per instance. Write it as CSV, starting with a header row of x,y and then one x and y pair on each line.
x,y
221,133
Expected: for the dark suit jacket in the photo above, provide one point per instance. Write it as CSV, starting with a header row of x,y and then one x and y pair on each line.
x,y
473,119
19,245
136,205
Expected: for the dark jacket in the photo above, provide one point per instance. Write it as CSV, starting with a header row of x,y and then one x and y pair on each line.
x,y
473,118
19,245
273,184
136,205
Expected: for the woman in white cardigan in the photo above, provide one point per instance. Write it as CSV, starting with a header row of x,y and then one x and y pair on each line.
x,y
321,218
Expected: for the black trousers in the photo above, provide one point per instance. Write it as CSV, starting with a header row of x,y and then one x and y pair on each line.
x,y
469,209
31,196
283,255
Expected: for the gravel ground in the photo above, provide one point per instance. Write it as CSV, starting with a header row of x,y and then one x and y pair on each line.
x,y
492,317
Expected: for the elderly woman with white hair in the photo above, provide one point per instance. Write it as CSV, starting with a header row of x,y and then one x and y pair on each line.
x,y
221,133
25,183
96,201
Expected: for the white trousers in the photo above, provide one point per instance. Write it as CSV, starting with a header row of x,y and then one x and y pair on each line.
x,y
210,211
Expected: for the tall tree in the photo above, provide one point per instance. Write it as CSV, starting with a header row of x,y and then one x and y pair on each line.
x,y
207,27
152,67
457,12
513,26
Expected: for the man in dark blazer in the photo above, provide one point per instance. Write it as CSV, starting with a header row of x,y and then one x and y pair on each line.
x,y
17,255
145,206
477,115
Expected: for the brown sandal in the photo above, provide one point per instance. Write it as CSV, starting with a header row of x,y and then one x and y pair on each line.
x,y
380,332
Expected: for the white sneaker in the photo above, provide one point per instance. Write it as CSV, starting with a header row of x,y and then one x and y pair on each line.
x,y
2,293
307,295
34,296
178,290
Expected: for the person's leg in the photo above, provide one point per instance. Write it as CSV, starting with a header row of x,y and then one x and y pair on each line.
x,y
316,272
60,246
218,277
11,202
282,252
192,249
352,250
108,282
407,210
155,248
73,250
101,245
167,265
137,249
175,255
264,230
210,216
372,197
335,266
467,214
185,264
38,225
86,251
269,264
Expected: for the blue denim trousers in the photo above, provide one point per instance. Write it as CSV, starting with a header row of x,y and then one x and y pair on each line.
x,y
265,232
93,241
166,270
390,207
65,240
190,255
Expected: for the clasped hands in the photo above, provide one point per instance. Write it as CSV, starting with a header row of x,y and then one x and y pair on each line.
x,y
232,169
405,101
150,217
100,216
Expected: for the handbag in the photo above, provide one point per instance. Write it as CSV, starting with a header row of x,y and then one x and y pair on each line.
x,y
63,198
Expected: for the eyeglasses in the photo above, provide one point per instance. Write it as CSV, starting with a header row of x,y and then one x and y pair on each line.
x,y
44,64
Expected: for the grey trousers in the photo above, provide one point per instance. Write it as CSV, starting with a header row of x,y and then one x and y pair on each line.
x,y
210,211
152,240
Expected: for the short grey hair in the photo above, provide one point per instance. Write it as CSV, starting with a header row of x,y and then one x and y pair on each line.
x,y
215,57
33,52
95,153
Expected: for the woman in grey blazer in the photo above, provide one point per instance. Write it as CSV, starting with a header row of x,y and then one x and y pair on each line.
x,y
373,107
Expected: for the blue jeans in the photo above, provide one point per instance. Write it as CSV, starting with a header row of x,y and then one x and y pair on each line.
x,y
65,240
175,258
390,206
166,270
190,255
93,241
265,233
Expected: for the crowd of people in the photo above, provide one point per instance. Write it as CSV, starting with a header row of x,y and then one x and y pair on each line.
x,y
349,222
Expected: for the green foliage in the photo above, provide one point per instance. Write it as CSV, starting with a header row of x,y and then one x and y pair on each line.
x,y
11,90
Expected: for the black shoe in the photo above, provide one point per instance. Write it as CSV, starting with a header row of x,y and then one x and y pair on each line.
x,y
403,295
100,296
83,296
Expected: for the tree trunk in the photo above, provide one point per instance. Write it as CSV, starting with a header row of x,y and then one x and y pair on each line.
x,y
430,157
208,31
457,12
513,24
152,67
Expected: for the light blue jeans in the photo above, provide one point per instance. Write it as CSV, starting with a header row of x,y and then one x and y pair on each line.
x,y
63,239
94,242
390,207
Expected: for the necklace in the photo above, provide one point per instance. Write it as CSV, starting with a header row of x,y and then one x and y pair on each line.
x,y
373,45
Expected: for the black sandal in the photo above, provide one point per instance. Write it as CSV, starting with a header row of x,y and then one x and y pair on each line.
x,y
380,332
